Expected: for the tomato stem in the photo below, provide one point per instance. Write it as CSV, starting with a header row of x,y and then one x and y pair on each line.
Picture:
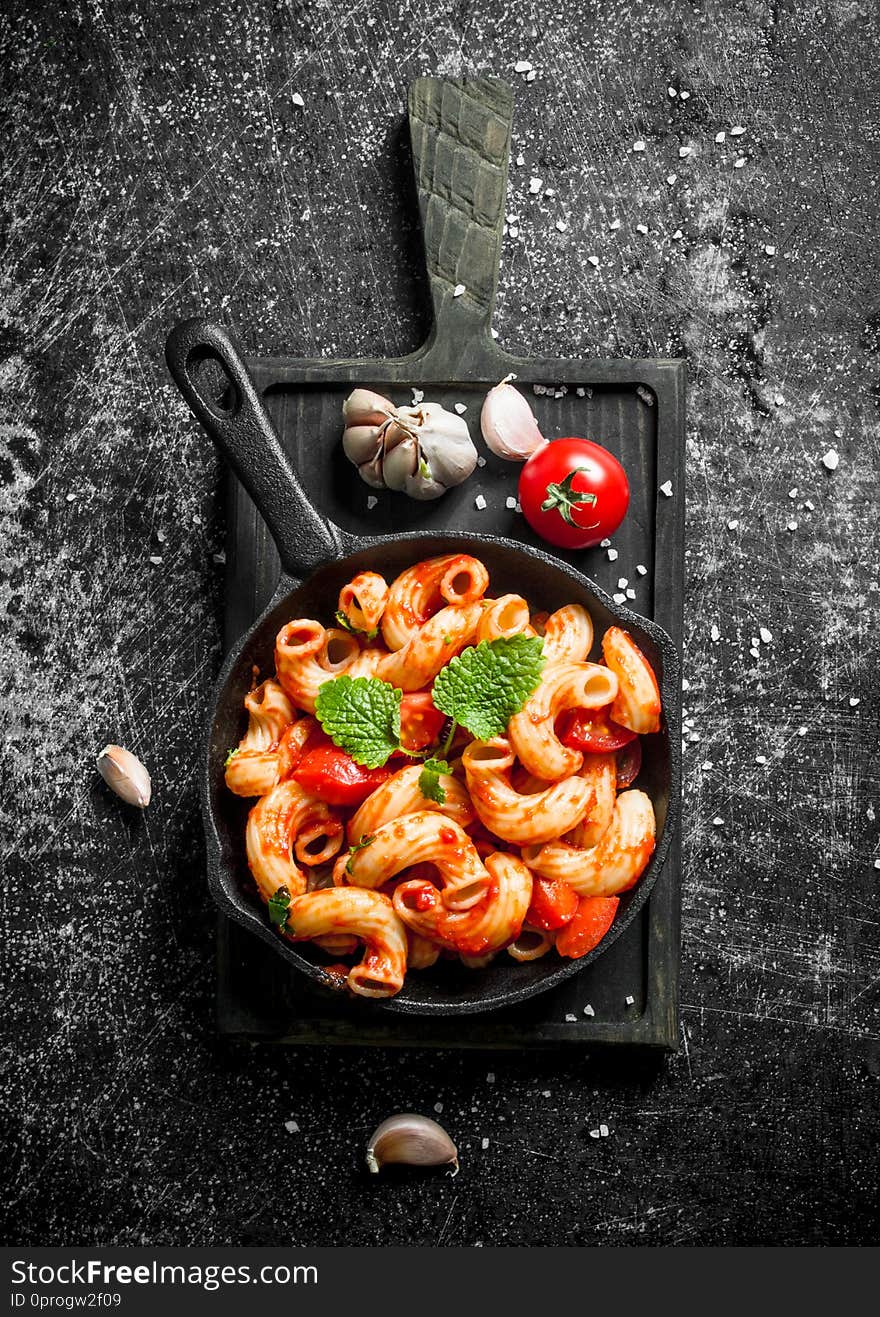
x,y
567,500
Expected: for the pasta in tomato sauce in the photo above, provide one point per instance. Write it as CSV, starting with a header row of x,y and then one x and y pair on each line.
x,y
468,846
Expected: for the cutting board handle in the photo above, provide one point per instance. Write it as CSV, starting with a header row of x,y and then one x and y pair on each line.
x,y
241,428
460,130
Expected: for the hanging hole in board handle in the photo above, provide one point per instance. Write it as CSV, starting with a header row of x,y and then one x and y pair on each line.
x,y
212,382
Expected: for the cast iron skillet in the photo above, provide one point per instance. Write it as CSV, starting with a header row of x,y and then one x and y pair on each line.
x,y
317,559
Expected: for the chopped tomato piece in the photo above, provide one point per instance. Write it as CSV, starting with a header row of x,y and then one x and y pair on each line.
x,y
553,903
333,776
594,917
420,722
628,764
594,731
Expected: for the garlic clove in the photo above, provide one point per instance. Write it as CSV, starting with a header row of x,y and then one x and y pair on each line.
x,y
361,443
363,407
125,775
446,446
401,463
411,1140
508,423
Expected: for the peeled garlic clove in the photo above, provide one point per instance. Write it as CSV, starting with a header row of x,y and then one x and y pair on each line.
x,y
446,446
125,775
411,1140
508,424
363,407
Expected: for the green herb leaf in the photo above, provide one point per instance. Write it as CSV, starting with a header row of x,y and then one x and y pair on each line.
x,y
347,625
485,686
362,716
358,846
429,780
229,758
279,907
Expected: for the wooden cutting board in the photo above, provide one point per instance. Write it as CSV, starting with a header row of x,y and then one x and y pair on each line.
x,y
461,142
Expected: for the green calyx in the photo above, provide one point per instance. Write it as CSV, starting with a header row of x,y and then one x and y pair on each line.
x,y
567,500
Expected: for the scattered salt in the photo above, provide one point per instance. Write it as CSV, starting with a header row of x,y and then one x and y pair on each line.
x,y
717,822
677,234
831,460
614,225
779,400
588,1010
594,1134
622,583
371,502
458,290
612,555
630,1000
291,1127
683,151
760,759
802,731
769,249
594,261
298,100
438,1107
630,594
670,178
714,633
484,1143
535,185
531,75
522,66
460,408
737,130
719,137
160,536
481,461
561,225
639,145
520,161
765,635
732,525
641,569
418,396
156,561
685,95
571,1019
490,1077
791,525
510,503
641,228
479,502
755,652
619,598
670,91
792,493
604,1131
604,544
738,163
854,701
666,488
494,333
71,497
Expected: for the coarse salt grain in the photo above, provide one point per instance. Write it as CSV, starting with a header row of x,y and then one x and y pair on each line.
x,y
677,234
418,395
630,594
588,1010
685,95
791,525
481,461
792,493
802,731
522,66
755,653
484,1143
732,525
706,764
737,130
458,290
717,822
291,1127
297,99
779,400
612,555
670,178
594,1134
769,249
520,161
714,633
156,561
371,502
671,92
479,502
594,261
604,1131
571,1019
666,488
831,460
641,228
619,598
683,151
604,544
760,759
535,185
622,583
639,145
854,701
738,163
494,333
765,635
614,225
630,1000
438,1107
71,497
510,503
531,75
561,225
490,1077
641,569
720,137
460,408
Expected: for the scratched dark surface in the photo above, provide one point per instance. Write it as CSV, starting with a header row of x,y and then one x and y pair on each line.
x,y
156,165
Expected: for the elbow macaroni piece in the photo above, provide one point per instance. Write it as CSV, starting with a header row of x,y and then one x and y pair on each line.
x,y
615,863
568,635
285,822
532,731
307,655
507,616
483,929
532,944
430,649
421,590
400,795
424,837
522,819
254,768
354,912
637,703
601,773
362,601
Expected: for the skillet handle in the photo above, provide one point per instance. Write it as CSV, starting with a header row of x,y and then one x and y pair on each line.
x,y
240,426
460,130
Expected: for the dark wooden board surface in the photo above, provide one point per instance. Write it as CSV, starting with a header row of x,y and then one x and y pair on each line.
x,y
641,421
156,166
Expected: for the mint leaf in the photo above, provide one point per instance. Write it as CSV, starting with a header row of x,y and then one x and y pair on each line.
x,y
358,846
229,758
429,780
362,716
485,686
346,625
279,907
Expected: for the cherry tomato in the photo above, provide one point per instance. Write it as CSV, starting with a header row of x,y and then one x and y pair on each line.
x,y
333,776
593,730
629,764
594,917
553,903
573,493
420,722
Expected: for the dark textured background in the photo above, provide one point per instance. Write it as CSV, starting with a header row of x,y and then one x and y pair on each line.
x,y
155,165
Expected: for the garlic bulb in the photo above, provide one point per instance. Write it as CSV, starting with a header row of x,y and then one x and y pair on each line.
x,y
125,775
411,1140
508,424
421,450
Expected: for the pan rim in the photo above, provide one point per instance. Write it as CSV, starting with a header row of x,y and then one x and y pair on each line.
x,y
220,865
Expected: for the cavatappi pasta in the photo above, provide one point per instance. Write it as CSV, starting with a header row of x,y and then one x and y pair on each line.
x,y
537,831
